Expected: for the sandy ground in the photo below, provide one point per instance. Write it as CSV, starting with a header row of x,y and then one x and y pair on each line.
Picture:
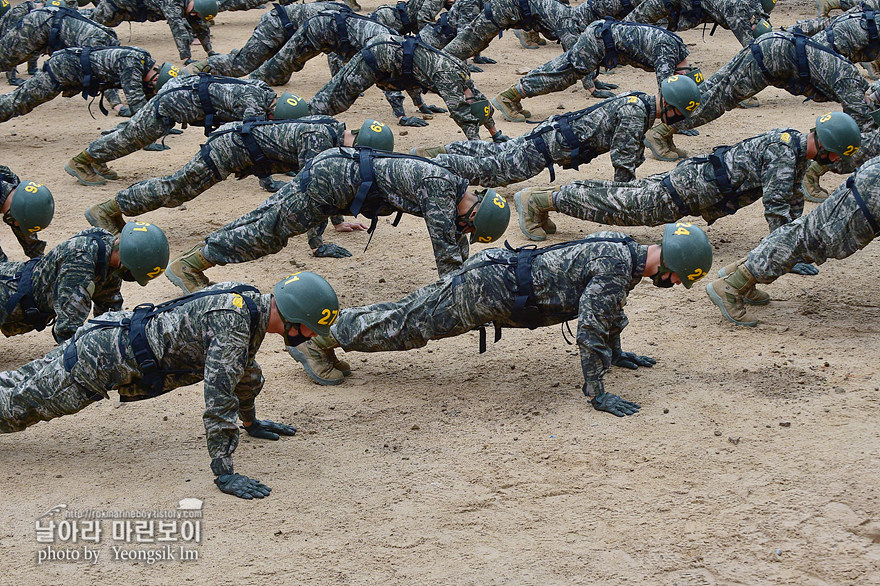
x,y
754,458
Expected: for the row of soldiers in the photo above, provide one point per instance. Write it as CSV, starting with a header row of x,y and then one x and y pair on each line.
x,y
345,172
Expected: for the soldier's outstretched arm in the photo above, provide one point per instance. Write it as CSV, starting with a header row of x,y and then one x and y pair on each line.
x,y
179,28
73,292
600,307
203,33
627,142
437,197
782,202
133,87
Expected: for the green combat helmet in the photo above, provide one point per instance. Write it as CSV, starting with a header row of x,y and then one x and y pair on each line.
x,y
838,133
762,28
143,250
685,251
375,135
492,218
682,93
290,107
768,5
4,7
207,9
167,72
696,74
481,110
32,206
308,299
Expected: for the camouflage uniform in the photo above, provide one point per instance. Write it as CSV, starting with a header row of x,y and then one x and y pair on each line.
x,y
551,18
328,186
235,5
183,26
209,338
438,34
616,125
33,35
839,227
287,145
831,77
769,167
593,10
738,16
847,34
270,34
66,283
432,70
178,102
644,46
586,280
31,245
110,67
408,17
8,21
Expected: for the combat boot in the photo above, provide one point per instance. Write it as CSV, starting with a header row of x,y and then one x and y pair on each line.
x,y
270,184
327,344
318,362
754,296
106,215
199,66
532,204
813,191
508,103
824,7
872,71
353,5
104,171
80,167
728,294
749,103
428,152
659,140
526,39
187,271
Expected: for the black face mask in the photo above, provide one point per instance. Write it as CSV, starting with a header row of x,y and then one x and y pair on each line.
x,y
296,339
126,275
671,118
663,281
824,158
7,217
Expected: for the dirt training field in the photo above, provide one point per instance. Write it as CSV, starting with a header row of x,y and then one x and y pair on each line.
x,y
755,458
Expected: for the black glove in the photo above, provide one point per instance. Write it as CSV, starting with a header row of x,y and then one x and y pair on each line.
x,y
484,60
803,268
411,121
241,486
431,109
331,251
631,360
212,53
175,131
474,69
188,61
498,137
602,94
601,85
124,111
156,146
613,404
271,185
16,81
269,430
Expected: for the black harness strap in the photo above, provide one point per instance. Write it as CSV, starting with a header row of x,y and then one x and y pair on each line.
x,y
487,12
407,25
90,84
800,42
204,94
872,221
674,13
609,61
24,294
281,13
683,208
341,21
528,18
406,79
442,28
205,151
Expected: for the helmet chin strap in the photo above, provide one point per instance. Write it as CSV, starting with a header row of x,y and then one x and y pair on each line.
x,y
662,269
296,339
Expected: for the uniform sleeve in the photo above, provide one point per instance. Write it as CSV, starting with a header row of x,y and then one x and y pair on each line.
x,y
108,296
132,82
226,362
779,166
73,293
254,98
450,83
428,11
311,144
202,32
627,144
437,198
600,316
180,30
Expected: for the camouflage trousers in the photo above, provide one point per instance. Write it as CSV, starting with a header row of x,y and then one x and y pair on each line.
x,y
145,127
44,389
344,88
38,90
25,42
835,229
497,164
266,230
742,78
267,38
644,202
477,34
454,305
191,180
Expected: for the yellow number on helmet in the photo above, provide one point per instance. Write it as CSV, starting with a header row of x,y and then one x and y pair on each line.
x,y
785,137
35,229
671,78
292,278
328,317
32,187
850,150
292,101
487,111
499,201
825,118
484,239
155,272
174,71
376,126
698,77
632,100
692,105
696,275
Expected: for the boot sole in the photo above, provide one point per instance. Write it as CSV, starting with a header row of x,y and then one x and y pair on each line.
x,y
723,274
814,199
522,40
500,109
521,210
75,175
178,282
91,219
719,303
657,155
302,359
